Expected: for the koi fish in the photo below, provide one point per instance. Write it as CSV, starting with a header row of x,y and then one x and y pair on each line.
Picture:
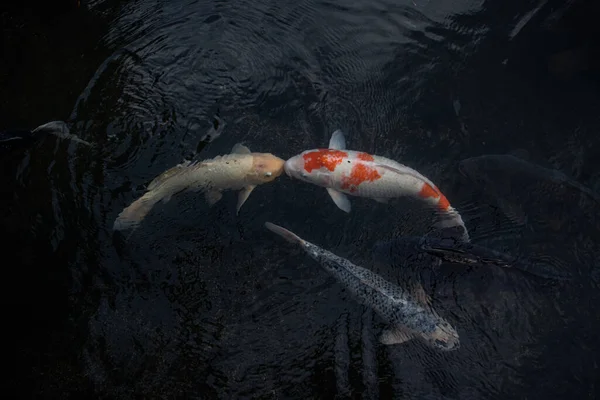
x,y
401,249
22,138
480,169
427,251
360,174
408,315
240,169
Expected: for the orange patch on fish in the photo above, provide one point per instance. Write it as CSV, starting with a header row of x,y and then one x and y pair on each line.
x,y
326,158
444,203
360,173
431,191
365,157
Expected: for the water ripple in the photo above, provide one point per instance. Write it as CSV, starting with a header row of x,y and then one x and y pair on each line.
x,y
204,301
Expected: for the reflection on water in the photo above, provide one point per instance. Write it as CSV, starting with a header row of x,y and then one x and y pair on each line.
x,y
201,303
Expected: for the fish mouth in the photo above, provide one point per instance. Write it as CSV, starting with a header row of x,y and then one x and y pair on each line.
x,y
290,167
286,168
449,345
444,338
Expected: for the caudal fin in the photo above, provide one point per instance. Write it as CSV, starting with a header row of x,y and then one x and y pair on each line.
x,y
60,129
132,215
284,233
450,218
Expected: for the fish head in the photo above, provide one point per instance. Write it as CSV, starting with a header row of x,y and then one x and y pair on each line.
x,y
478,169
315,166
265,168
444,337
489,166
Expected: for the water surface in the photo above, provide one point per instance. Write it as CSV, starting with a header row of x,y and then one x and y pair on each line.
x,y
201,303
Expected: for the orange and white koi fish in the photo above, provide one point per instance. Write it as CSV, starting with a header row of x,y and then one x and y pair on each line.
x,y
360,174
240,170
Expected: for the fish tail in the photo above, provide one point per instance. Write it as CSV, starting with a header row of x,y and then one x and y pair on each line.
x,y
59,129
132,215
284,233
76,139
451,218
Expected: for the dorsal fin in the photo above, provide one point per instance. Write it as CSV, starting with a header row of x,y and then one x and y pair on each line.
x,y
407,171
167,174
337,141
239,148
421,296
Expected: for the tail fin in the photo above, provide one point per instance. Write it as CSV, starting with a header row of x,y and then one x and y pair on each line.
x,y
450,218
133,215
60,129
284,233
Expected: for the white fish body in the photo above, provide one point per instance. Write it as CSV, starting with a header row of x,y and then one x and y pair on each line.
x,y
240,170
347,172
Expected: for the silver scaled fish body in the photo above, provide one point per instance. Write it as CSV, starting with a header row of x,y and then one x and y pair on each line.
x,y
408,315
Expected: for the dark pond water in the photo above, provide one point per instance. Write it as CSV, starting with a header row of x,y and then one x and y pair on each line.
x,y
201,303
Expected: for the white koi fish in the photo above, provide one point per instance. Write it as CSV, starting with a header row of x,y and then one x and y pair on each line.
x,y
239,170
360,174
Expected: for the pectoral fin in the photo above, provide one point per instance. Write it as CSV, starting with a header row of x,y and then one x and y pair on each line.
x,y
395,335
239,148
420,295
213,196
166,198
382,200
340,200
337,141
243,196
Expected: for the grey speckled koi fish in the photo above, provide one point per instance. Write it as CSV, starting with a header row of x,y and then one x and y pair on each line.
x,y
409,316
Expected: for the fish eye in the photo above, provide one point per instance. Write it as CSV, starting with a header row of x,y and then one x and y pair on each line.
x,y
303,174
